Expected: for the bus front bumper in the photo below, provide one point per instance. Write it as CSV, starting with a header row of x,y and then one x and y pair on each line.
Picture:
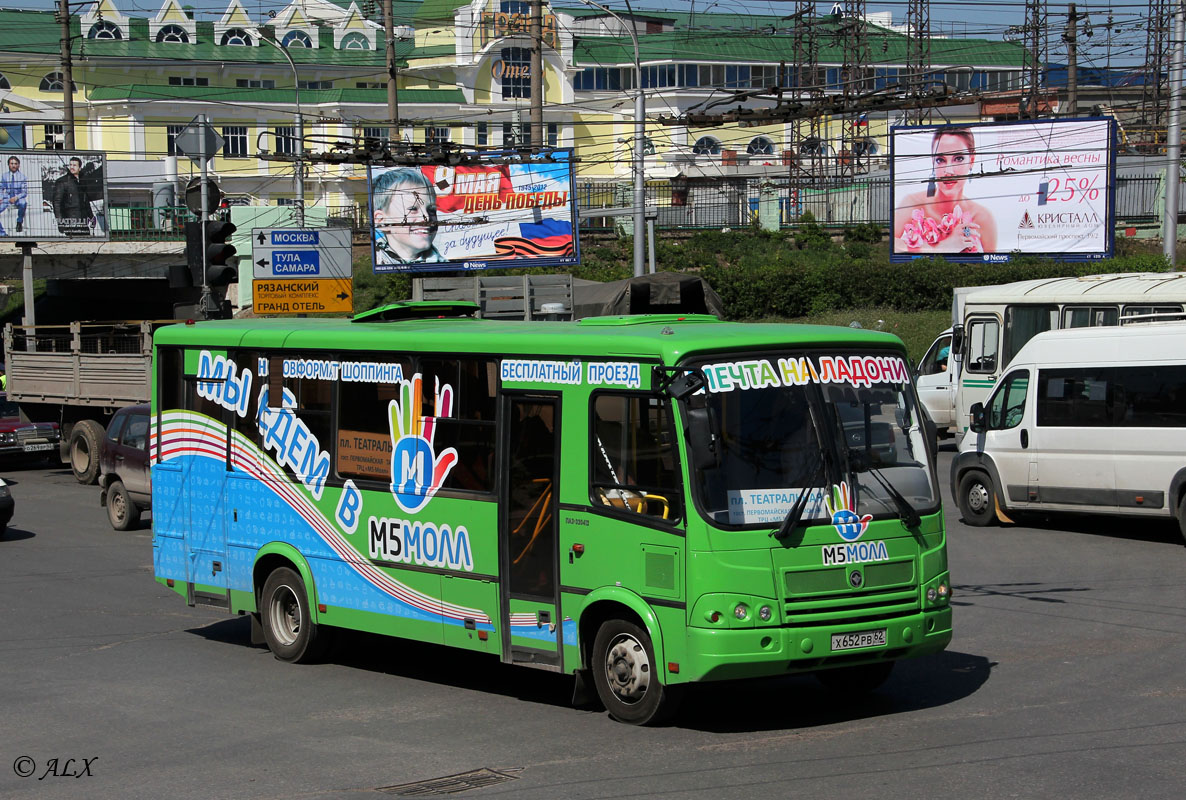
x,y
726,654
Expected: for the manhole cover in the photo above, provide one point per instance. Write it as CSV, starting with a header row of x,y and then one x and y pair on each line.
x,y
452,784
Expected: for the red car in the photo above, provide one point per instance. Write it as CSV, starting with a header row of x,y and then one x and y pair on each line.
x,y
19,438
124,473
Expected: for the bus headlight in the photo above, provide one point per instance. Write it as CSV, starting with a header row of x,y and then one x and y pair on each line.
x,y
939,593
765,613
742,611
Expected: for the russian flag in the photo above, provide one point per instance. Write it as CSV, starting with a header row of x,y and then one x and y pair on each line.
x,y
548,237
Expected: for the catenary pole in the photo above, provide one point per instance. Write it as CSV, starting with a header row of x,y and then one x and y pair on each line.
x,y
1174,147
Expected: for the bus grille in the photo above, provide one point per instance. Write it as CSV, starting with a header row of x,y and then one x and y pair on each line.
x,y
818,597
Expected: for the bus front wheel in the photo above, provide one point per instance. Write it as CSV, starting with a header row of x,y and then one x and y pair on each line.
x,y
624,672
289,629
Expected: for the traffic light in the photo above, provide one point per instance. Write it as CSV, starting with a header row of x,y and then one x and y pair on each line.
x,y
221,264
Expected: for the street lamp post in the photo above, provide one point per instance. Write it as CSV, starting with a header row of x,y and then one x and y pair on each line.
x,y
300,128
639,139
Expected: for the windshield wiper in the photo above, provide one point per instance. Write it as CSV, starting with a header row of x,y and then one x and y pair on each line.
x,y
843,453
909,517
795,514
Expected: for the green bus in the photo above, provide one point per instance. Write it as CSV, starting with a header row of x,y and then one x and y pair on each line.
x,y
641,501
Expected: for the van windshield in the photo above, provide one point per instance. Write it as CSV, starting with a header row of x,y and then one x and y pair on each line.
x,y
846,428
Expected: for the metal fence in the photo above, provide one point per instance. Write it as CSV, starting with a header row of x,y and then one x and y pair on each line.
x,y
149,223
724,202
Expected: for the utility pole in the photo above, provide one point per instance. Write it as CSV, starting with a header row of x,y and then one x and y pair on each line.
x,y
1035,36
67,75
854,83
1153,90
207,300
918,58
393,132
1174,143
807,87
537,74
1070,37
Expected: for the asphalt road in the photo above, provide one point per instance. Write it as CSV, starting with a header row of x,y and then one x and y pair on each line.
x,y
1066,678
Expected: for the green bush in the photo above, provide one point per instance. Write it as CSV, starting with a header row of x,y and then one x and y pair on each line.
x,y
816,280
793,274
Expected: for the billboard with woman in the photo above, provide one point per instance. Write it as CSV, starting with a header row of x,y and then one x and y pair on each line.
x,y
980,192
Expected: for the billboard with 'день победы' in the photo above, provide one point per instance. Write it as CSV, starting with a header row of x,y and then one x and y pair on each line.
x,y
981,192
53,195
496,212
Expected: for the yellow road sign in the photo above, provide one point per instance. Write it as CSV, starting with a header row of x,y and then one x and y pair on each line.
x,y
303,296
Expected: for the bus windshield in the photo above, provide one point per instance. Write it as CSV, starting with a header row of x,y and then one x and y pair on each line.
x,y
844,428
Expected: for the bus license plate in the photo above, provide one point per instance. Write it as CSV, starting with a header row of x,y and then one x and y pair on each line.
x,y
854,641
33,448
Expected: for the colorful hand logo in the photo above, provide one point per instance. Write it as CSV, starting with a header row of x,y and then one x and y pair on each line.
x,y
844,519
417,472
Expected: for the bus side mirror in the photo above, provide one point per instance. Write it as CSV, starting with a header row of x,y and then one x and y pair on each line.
x,y
957,342
978,423
702,444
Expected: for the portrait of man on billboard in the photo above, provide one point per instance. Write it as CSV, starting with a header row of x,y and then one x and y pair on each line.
x,y
405,218
940,218
14,194
71,200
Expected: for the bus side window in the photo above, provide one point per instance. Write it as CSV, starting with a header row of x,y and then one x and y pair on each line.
x,y
313,404
633,464
1023,323
363,447
469,426
983,335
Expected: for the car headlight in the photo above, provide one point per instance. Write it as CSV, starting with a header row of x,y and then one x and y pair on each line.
x,y
4,492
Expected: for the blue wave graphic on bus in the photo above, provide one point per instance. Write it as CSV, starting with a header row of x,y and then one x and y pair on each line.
x,y
417,470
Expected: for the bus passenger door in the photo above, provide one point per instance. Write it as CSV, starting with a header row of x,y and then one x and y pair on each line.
x,y
528,525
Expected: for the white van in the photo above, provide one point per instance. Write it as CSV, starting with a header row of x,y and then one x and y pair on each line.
x,y
1086,420
990,325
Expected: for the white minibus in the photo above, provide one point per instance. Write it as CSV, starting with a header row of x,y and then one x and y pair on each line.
x,y
990,325
1090,420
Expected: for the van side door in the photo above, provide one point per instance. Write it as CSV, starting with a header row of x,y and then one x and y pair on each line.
x,y
1007,438
980,366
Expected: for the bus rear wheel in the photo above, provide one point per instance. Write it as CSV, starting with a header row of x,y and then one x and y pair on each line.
x,y
289,629
623,665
